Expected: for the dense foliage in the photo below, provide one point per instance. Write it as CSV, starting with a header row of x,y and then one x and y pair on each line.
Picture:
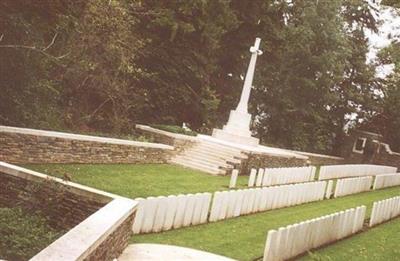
x,y
106,65
23,235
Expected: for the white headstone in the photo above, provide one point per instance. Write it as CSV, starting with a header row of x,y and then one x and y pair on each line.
x,y
234,175
252,178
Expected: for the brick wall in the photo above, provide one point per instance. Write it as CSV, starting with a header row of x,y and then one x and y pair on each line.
x,y
19,145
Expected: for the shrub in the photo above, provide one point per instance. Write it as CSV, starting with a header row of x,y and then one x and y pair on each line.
x,y
23,234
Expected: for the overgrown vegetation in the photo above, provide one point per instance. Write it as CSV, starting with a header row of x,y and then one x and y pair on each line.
x,y
174,129
106,65
22,235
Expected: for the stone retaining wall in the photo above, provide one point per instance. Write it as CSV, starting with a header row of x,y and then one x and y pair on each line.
x,y
18,145
269,161
99,223
180,142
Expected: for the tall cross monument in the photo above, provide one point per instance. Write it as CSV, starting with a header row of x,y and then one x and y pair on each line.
x,y
237,130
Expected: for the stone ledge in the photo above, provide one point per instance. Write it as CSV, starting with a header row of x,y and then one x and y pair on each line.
x,y
80,137
85,238
78,189
166,133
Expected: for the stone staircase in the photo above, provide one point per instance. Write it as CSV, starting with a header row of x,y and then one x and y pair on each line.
x,y
210,157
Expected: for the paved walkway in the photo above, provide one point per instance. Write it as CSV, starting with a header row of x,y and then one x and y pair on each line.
x,y
157,252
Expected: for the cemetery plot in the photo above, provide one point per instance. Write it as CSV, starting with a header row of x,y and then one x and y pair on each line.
x,y
279,176
379,243
243,238
387,180
352,186
353,170
385,210
293,240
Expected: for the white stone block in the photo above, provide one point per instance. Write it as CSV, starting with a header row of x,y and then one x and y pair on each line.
x,y
160,214
224,205
205,207
234,175
150,209
198,207
270,246
172,204
252,178
180,211
260,176
238,203
139,218
216,206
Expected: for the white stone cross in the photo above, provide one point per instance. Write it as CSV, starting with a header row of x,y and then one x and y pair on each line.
x,y
244,98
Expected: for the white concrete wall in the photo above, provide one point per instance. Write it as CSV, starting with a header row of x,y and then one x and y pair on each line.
x,y
227,204
293,240
385,210
156,214
279,176
387,180
353,170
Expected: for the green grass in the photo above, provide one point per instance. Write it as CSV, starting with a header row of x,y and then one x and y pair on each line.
x,y
378,243
139,180
243,238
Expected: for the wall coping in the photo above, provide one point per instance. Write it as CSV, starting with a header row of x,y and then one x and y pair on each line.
x,y
83,239
166,133
92,193
70,136
389,150
318,155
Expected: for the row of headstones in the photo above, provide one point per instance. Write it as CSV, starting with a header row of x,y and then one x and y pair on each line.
x,y
228,204
352,186
279,176
162,213
387,180
385,210
293,240
353,170
155,214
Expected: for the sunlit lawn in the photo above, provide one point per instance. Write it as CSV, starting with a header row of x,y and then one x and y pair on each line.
x,y
139,180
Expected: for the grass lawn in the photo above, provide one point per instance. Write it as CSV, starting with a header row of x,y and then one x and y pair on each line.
x,y
378,243
139,180
243,238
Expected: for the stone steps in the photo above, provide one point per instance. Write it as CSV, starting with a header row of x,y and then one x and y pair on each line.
x,y
210,157
217,152
209,162
197,166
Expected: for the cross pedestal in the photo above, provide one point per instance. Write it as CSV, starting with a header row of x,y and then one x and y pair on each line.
x,y
237,129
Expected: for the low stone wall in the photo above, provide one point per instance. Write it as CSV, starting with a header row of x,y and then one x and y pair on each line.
x,y
180,142
319,159
99,223
18,145
387,157
255,160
